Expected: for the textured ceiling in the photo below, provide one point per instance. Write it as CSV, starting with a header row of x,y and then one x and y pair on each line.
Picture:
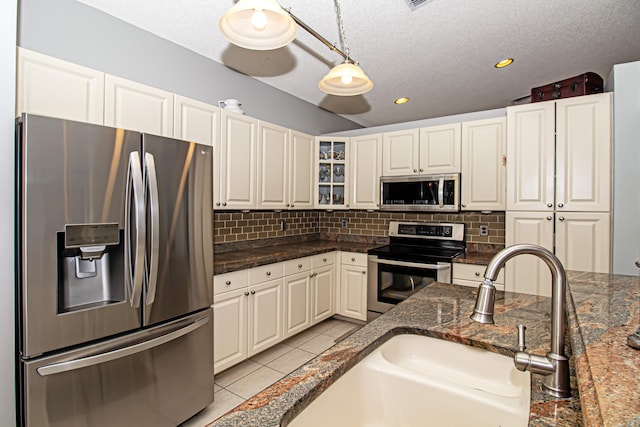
x,y
441,55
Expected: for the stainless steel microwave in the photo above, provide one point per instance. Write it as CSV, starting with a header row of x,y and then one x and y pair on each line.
x,y
434,193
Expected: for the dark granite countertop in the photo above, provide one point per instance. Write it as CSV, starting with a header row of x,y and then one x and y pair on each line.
x,y
603,310
253,257
479,258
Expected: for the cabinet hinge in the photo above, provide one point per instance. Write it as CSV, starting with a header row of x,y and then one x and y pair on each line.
x,y
504,160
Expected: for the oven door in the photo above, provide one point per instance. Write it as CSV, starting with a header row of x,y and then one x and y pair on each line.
x,y
393,281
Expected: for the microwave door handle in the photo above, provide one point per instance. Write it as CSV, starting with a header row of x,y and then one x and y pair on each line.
x,y
151,181
119,353
441,192
134,199
414,264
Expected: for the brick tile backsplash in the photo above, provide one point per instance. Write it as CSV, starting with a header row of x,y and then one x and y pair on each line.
x,y
243,226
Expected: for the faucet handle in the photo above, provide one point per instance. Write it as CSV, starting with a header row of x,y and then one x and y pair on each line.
x,y
521,338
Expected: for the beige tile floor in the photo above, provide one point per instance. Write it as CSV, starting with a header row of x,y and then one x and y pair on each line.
x,y
241,382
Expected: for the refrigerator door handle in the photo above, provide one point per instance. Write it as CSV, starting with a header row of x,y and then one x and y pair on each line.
x,y
134,257
151,188
119,353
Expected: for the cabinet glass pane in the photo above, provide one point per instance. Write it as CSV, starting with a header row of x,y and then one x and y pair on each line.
x,y
324,196
338,195
326,151
324,172
339,150
338,173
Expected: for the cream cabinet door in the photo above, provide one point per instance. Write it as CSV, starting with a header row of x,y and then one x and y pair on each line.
x,y
301,171
273,166
297,310
132,105
528,274
583,153
440,149
265,327
530,157
483,165
322,294
353,292
229,329
195,121
365,169
400,152
236,160
51,87
583,241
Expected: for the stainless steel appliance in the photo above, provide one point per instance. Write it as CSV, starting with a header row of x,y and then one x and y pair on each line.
x,y
440,193
115,272
418,254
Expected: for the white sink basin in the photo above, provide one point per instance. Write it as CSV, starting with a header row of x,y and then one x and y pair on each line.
x,y
413,380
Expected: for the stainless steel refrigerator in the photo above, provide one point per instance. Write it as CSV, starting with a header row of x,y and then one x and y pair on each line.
x,y
115,272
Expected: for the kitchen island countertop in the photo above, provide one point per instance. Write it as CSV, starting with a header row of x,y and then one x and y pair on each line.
x,y
602,310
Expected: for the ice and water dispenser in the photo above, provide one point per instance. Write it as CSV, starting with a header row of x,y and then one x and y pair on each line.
x,y
90,266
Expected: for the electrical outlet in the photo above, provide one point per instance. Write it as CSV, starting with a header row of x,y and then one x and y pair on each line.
x,y
344,223
484,230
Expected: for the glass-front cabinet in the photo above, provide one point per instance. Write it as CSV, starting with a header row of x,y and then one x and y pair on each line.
x,y
331,173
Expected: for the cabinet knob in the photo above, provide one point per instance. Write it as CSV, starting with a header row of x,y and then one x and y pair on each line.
x,y
346,205
364,272
224,204
299,265
549,205
228,282
561,218
246,294
549,218
324,260
217,203
421,170
311,275
464,205
253,292
477,273
561,205
292,205
288,205
353,259
415,171
268,273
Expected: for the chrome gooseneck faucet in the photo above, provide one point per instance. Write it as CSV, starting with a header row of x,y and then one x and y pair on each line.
x,y
556,364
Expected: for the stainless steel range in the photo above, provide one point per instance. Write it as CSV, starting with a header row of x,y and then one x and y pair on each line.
x,y
418,254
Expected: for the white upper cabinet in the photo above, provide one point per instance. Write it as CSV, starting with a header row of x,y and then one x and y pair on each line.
x,y
570,138
483,165
139,107
583,153
51,87
365,168
273,166
195,121
236,160
440,149
400,152
301,171
332,173
429,150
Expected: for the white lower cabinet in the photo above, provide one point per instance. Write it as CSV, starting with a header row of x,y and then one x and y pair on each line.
x,y
473,275
265,318
297,303
352,296
323,287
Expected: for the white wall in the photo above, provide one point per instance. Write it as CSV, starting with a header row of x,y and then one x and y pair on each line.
x,y
8,19
626,167
75,32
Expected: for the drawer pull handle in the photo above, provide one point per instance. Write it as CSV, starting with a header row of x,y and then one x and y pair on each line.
x,y
364,272
228,282
353,259
477,273
324,260
268,273
299,265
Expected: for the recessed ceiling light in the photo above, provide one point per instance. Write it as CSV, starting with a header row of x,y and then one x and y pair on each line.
x,y
504,63
402,100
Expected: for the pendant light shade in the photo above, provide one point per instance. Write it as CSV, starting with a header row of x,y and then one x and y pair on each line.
x,y
258,25
346,79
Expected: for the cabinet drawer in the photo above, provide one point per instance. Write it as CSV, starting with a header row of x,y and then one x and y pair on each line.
x,y
230,281
266,272
354,258
321,260
297,265
473,272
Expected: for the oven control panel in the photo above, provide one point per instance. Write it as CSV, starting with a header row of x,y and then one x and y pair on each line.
x,y
443,231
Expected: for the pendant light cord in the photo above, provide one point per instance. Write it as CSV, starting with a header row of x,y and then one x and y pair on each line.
x,y
343,37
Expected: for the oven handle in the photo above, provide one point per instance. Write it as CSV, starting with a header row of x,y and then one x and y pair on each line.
x,y
414,264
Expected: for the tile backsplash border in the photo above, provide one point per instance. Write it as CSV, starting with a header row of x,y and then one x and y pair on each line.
x,y
236,226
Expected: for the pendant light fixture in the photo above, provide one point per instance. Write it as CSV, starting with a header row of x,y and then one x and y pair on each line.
x,y
346,79
258,25
265,25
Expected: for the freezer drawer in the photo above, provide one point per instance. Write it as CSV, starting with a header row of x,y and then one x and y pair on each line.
x,y
155,377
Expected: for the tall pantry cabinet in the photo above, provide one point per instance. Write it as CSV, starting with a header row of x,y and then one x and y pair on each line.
x,y
558,187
